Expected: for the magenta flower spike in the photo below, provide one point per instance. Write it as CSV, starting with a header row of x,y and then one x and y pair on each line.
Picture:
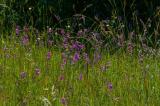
x,y
49,55
25,40
63,101
110,86
76,57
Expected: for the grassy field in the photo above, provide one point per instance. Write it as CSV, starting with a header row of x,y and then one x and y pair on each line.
x,y
33,75
79,53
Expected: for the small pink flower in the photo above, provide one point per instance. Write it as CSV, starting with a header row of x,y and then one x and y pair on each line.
x,y
61,31
76,57
80,76
25,40
50,30
80,33
50,42
110,86
37,71
86,58
64,101
130,47
49,55
61,77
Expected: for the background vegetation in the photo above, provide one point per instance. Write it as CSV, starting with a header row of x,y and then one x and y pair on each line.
x,y
134,15
79,52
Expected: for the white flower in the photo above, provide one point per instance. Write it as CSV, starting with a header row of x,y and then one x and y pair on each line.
x,y
38,38
46,101
30,8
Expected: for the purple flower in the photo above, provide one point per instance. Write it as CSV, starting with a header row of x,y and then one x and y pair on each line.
x,y
81,46
23,75
130,47
64,101
68,34
61,77
110,86
61,31
80,33
50,42
50,30
63,55
25,40
76,57
77,46
86,58
49,55
37,71
65,45
80,76
74,46
65,40
17,30
64,60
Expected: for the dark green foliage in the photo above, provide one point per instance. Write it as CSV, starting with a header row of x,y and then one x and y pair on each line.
x,y
133,14
45,12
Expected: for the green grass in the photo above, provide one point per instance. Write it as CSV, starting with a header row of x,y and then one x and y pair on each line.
x,y
134,83
126,80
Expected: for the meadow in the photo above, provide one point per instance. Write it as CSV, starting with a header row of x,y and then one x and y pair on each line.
x,y
90,54
45,75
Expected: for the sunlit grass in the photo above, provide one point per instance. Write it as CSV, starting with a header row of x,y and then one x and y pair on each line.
x,y
118,79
